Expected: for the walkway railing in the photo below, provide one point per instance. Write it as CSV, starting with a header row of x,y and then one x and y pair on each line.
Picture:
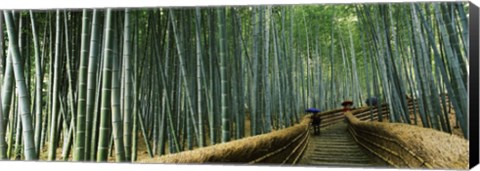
x,y
403,145
282,146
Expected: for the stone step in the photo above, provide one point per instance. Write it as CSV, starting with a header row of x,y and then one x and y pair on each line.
x,y
334,136
341,160
335,146
321,163
329,154
338,154
348,149
333,140
351,151
333,143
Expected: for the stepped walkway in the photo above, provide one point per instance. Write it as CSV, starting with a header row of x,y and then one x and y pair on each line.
x,y
345,141
335,147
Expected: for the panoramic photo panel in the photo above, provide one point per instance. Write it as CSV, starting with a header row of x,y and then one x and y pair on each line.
x,y
377,85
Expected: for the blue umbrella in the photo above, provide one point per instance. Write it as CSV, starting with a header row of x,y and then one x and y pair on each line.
x,y
312,110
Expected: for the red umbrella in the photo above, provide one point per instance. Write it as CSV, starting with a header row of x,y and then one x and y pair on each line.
x,y
347,102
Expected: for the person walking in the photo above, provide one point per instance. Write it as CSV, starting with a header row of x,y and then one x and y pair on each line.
x,y
371,101
347,104
316,120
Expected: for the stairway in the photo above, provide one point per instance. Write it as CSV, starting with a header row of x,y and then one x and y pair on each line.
x,y
335,147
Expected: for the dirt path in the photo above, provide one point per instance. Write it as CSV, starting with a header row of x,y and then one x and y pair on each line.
x,y
335,147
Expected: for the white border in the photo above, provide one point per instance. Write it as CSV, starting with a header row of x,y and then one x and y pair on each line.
x,y
78,4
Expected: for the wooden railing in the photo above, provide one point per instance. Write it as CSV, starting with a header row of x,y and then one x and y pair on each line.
x,y
288,154
284,146
401,148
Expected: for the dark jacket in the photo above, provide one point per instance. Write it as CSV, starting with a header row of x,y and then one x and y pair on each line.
x,y
316,120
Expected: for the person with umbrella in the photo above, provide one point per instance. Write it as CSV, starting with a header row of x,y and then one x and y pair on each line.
x,y
346,105
371,101
315,120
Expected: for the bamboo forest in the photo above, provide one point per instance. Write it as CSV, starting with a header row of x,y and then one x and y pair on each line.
x,y
143,84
